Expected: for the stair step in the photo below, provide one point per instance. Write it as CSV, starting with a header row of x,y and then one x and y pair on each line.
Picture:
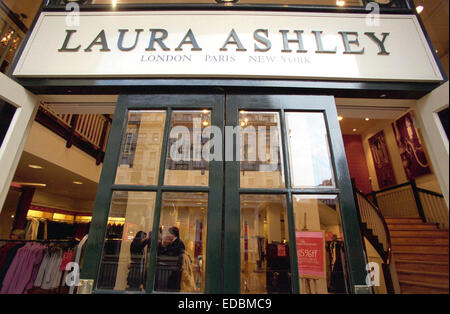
x,y
424,277
422,266
419,241
420,234
393,220
421,248
413,255
407,286
411,227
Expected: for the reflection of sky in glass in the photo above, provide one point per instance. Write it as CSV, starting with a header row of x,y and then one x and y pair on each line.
x,y
309,151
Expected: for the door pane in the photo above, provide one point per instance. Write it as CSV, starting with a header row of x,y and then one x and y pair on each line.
x,y
186,164
265,262
124,259
320,248
181,256
141,148
261,159
309,152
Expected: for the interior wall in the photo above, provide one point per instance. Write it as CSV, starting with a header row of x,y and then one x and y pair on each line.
x,y
428,181
357,164
434,134
7,213
50,200
49,146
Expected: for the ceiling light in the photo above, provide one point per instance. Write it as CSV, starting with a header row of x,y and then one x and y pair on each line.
x,y
31,184
340,3
419,9
354,130
35,166
367,119
226,1
205,123
340,118
77,182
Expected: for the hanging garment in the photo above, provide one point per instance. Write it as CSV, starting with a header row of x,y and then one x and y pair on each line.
x,y
4,251
52,272
10,255
33,229
187,275
42,269
20,272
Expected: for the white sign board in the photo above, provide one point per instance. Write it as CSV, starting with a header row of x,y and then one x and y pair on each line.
x,y
316,46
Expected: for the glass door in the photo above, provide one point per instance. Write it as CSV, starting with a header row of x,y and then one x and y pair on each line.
x,y
249,197
158,213
290,218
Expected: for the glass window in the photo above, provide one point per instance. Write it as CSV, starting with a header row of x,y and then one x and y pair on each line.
x,y
265,262
124,260
7,37
186,162
141,148
260,150
309,152
181,254
319,243
10,54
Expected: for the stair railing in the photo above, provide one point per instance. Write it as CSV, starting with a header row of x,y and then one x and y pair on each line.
x,y
89,132
374,228
408,200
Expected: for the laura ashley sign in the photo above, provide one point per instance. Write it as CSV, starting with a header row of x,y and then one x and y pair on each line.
x,y
229,44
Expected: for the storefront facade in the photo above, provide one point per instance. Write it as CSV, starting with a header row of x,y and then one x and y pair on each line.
x,y
226,128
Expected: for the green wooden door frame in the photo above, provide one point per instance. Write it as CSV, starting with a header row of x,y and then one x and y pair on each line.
x,y
223,265
97,233
356,262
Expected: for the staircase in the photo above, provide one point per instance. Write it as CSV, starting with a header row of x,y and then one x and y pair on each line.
x,y
421,255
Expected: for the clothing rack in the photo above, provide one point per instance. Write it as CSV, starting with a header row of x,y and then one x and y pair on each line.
x,y
40,241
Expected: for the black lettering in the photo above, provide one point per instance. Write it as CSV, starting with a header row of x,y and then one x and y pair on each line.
x,y
263,40
347,42
319,43
192,41
235,41
378,42
286,41
69,33
159,40
121,37
99,40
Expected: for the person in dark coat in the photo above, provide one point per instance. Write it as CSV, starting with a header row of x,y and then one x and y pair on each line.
x,y
171,246
137,273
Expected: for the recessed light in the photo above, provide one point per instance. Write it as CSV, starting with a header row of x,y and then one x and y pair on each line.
x,y
340,118
354,130
419,9
367,119
77,182
340,3
35,166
